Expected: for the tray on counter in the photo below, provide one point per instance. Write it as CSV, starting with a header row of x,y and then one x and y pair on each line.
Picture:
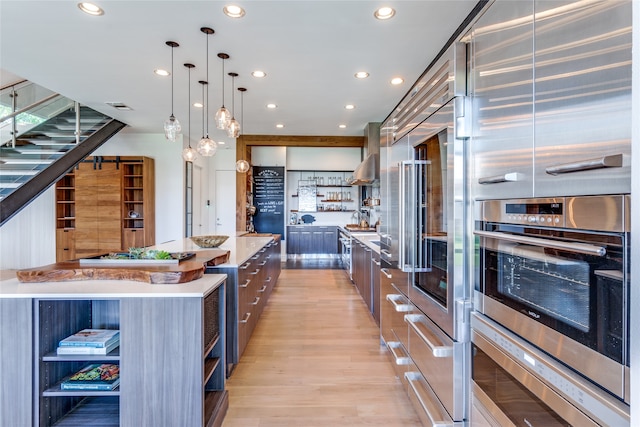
x,y
125,258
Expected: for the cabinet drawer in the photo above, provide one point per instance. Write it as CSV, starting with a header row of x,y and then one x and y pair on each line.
x,y
433,353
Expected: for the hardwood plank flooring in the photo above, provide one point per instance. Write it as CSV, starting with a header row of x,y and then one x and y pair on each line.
x,y
315,360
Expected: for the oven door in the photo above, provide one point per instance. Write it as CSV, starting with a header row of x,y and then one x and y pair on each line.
x,y
515,384
561,286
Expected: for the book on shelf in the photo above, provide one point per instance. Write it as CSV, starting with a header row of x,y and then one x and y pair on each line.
x,y
91,338
80,349
96,376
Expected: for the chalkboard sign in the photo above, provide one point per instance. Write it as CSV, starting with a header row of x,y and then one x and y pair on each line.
x,y
268,198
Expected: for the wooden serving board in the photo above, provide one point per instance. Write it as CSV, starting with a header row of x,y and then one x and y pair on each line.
x,y
185,271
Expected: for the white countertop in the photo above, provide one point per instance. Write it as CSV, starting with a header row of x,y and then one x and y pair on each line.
x,y
366,237
241,247
95,289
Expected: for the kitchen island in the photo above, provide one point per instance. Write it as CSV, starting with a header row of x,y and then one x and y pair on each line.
x,y
170,356
253,269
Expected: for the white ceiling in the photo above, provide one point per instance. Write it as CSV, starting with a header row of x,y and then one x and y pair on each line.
x,y
310,51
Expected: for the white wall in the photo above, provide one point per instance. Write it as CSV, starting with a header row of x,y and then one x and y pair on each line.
x,y
29,238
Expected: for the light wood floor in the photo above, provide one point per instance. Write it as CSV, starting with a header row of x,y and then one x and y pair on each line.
x,y
315,360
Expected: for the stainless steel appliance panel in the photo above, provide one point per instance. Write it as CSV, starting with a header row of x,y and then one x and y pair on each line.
x,y
446,79
393,203
438,287
582,98
518,384
559,285
501,87
439,360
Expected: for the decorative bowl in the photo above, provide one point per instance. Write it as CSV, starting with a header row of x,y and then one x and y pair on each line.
x,y
209,241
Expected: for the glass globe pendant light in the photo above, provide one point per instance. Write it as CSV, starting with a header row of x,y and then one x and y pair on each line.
x,y
233,130
189,154
172,126
207,147
242,165
222,117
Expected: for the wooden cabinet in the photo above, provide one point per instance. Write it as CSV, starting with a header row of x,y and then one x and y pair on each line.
x,y
312,239
105,204
249,286
171,359
366,276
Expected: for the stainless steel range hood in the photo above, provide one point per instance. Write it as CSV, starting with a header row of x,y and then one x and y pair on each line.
x,y
368,172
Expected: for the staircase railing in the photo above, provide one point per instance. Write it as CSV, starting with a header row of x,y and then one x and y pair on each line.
x,y
44,135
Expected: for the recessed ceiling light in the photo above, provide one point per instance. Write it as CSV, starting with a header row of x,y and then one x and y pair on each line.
x,y
397,80
271,106
279,125
90,8
342,126
198,104
233,11
161,72
258,74
361,75
384,13
349,106
221,142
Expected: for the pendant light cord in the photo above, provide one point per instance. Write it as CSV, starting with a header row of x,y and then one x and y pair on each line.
x,y
203,84
171,80
207,101
189,105
223,82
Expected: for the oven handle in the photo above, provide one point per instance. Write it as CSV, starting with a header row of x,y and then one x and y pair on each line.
x,y
582,248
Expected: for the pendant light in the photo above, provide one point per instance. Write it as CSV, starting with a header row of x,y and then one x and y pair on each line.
x,y
222,117
172,126
189,154
207,147
242,165
233,130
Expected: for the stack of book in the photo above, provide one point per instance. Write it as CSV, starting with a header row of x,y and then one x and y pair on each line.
x,y
97,376
90,341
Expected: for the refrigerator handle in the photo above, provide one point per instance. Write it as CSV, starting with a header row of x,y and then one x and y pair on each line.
x,y
406,175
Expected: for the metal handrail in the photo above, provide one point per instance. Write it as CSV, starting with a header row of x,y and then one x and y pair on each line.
x,y
29,107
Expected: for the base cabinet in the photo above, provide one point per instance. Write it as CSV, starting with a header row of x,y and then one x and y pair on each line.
x,y
312,239
250,285
171,359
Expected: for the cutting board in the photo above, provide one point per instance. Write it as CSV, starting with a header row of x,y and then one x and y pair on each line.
x,y
185,271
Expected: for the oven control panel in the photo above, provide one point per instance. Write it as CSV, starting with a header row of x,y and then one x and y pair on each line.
x,y
539,212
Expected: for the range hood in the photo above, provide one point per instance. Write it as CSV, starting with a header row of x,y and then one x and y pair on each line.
x,y
368,172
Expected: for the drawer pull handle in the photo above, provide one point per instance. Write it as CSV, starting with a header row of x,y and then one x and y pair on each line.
x,y
428,400
245,266
255,272
436,350
246,318
256,301
400,303
385,271
612,161
396,348
263,288
246,283
507,177
262,263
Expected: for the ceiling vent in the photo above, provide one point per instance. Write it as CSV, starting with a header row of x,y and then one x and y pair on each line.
x,y
119,106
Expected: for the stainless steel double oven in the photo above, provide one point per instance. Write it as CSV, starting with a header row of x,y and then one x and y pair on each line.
x,y
553,294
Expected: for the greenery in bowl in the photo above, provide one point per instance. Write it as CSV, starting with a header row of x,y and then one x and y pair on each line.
x,y
140,253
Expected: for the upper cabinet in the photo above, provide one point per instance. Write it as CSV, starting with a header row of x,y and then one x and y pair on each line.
x,y
551,88
105,204
582,98
502,93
